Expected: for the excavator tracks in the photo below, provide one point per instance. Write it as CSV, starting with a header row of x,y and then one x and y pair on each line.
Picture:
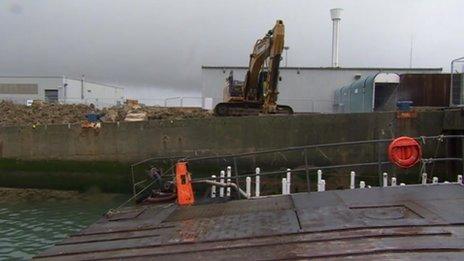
x,y
246,109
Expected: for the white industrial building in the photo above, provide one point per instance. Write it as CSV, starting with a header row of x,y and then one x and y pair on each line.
x,y
21,89
305,89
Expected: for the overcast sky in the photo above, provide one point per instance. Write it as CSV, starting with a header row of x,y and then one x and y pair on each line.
x,y
156,48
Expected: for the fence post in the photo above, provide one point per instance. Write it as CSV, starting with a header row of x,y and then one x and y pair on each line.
x,y
257,181
319,175
322,185
213,187
289,181
221,180
284,186
229,175
352,179
248,187
362,184
424,178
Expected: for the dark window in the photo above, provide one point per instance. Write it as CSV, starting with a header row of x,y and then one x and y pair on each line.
x,y
51,95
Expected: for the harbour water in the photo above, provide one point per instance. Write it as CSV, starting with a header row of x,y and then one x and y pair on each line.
x,y
30,226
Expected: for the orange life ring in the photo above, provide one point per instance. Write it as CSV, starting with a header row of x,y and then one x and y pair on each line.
x,y
404,152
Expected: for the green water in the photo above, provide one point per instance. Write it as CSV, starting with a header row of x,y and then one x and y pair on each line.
x,y
27,228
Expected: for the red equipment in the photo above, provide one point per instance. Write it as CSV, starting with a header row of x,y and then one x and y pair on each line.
x,y
404,152
184,185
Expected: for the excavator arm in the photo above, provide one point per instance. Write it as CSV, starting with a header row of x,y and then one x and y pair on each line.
x,y
270,46
275,54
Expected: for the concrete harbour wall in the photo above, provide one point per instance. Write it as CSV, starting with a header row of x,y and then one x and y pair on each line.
x,y
69,157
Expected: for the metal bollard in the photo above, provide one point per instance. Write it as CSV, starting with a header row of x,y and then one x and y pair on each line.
x,y
213,187
393,182
289,181
284,186
352,178
424,178
319,176
460,179
229,175
435,180
248,187
221,180
362,184
257,192
322,185
385,179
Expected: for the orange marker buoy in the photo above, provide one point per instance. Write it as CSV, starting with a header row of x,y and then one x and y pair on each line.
x,y
404,152
184,185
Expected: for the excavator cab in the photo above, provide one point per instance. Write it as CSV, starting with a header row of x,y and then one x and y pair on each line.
x,y
233,89
262,85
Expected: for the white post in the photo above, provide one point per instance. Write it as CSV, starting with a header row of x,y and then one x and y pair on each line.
x,y
435,180
257,192
362,184
289,181
424,178
229,175
446,182
352,176
322,185
460,179
221,180
402,184
248,187
319,178
393,182
284,186
213,187
385,179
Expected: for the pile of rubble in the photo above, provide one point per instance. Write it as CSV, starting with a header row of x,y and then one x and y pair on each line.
x,y
41,113
133,111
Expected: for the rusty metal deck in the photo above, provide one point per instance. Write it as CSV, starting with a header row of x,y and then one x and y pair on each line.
x,y
403,222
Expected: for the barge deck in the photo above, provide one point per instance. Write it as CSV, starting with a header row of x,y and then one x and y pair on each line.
x,y
403,222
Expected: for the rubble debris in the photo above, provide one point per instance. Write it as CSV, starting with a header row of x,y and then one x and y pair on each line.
x,y
42,113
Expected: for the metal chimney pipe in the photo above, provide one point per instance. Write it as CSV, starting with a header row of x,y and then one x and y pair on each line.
x,y
335,14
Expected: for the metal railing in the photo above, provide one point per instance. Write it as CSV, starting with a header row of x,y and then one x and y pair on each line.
x,y
305,169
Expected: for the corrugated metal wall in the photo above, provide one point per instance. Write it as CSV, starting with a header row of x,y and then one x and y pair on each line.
x,y
425,89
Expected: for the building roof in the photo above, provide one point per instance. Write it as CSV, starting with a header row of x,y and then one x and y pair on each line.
x,y
59,77
331,68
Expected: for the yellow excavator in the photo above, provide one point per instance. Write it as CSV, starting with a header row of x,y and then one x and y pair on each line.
x,y
258,93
